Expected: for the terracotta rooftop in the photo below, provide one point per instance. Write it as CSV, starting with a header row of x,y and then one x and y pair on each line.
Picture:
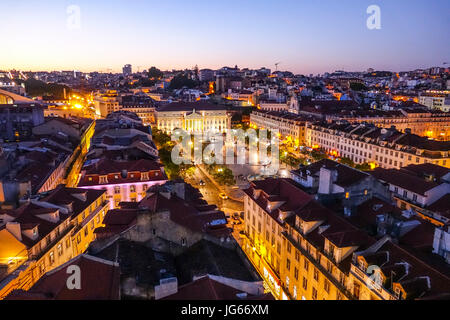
x,y
99,281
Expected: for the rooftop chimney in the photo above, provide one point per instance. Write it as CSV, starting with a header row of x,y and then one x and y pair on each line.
x,y
14,228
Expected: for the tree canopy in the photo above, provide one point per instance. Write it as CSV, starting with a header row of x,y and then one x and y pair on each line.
x,y
154,73
180,81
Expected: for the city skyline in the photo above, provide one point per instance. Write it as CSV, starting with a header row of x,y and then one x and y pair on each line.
x,y
305,38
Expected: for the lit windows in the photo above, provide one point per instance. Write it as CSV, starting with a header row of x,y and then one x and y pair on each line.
x,y
51,258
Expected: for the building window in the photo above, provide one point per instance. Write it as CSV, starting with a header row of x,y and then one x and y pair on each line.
x,y
132,188
326,286
329,267
288,264
296,273
60,249
314,293
51,258
316,275
331,250
42,268
356,290
297,255
306,265
117,190
305,283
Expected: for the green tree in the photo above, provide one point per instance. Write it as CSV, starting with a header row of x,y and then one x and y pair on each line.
x,y
318,155
347,161
155,74
356,86
180,81
363,167
160,138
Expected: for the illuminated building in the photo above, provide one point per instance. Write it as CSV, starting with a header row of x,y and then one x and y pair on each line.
x,y
408,115
106,103
387,148
248,98
46,232
436,100
142,105
304,251
268,105
193,117
289,125
124,181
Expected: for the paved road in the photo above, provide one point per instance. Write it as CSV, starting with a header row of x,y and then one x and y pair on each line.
x,y
211,193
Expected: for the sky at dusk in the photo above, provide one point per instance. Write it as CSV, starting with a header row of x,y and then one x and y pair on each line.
x,y
306,36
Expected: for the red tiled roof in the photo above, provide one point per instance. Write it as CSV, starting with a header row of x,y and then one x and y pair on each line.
x,y
206,289
99,281
112,168
404,180
441,206
65,196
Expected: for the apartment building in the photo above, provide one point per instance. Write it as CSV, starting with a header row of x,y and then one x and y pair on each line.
x,y
140,104
170,215
290,126
106,102
304,251
436,100
18,116
301,249
333,181
429,123
386,148
407,115
46,232
123,181
420,189
269,105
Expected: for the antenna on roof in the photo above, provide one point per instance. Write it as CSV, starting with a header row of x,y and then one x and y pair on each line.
x,y
276,66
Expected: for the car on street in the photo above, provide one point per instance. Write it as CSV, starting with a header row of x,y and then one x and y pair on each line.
x,y
223,196
202,183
